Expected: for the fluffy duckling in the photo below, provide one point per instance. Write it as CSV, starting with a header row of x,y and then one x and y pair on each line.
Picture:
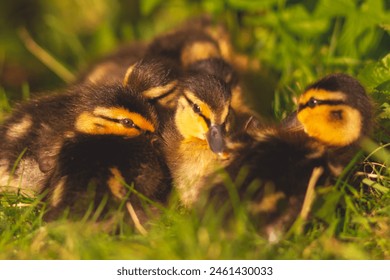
x,y
337,113
272,165
98,134
195,136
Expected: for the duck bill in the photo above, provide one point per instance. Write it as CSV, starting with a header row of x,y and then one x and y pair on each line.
x,y
216,138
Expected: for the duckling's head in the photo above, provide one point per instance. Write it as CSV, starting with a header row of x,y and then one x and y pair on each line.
x,y
217,66
335,110
114,110
203,109
186,45
155,79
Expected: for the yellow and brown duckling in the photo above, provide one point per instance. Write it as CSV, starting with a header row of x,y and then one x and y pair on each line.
x,y
195,136
337,113
112,148
272,165
97,134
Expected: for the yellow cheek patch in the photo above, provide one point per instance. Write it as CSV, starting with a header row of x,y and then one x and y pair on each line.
x,y
91,124
198,51
207,111
321,123
204,108
188,123
121,113
115,183
105,121
321,94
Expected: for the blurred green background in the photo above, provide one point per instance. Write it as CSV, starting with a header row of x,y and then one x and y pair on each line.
x,y
295,42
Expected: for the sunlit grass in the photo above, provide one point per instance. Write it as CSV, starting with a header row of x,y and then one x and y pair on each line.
x,y
346,221
295,43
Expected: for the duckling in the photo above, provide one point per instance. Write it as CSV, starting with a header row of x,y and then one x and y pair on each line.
x,y
272,165
340,104
98,134
194,138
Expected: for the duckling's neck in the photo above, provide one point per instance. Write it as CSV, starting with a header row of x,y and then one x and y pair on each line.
x,y
193,164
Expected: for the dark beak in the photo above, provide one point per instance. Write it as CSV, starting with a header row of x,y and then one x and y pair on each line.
x,y
215,138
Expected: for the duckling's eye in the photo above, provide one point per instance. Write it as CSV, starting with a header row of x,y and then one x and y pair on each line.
x,y
127,123
196,108
312,102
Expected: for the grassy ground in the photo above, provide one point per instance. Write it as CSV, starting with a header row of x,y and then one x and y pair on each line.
x,y
295,43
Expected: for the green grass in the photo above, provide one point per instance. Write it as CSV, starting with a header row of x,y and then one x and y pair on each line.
x,y
295,42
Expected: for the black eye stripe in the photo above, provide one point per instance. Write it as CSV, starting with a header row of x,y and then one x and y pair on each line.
x,y
317,102
107,118
125,122
207,120
188,100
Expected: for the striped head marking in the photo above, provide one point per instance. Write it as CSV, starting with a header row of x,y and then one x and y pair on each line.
x,y
196,118
329,117
113,121
154,79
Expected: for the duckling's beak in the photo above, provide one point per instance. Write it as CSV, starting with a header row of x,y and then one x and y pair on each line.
x,y
291,122
215,138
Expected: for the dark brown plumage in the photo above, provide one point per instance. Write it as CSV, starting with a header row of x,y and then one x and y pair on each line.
x,y
88,134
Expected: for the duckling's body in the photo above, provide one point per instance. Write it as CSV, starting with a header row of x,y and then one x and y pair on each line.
x,y
89,134
115,166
